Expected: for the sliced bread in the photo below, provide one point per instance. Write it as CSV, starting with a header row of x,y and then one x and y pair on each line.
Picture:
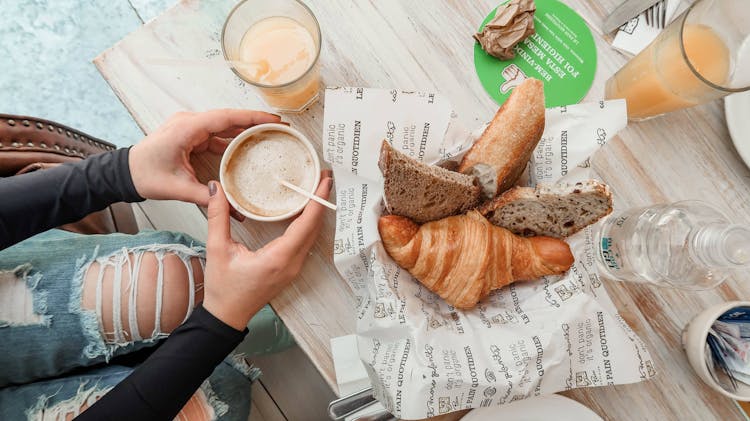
x,y
554,211
424,192
509,140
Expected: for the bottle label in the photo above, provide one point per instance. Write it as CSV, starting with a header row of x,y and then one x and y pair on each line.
x,y
610,254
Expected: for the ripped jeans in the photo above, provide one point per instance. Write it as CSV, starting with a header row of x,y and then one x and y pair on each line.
x,y
69,301
225,395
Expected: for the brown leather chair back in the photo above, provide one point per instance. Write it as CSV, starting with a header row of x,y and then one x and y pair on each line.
x,y
32,144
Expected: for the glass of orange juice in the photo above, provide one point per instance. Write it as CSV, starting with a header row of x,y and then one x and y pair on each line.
x,y
275,45
704,54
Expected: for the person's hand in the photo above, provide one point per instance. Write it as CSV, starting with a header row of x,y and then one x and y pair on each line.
x,y
238,281
160,163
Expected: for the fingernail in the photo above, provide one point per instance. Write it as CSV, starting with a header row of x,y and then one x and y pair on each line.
x,y
275,115
330,183
211,188
285,123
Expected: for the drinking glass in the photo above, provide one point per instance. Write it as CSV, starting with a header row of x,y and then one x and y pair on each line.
x,y
293,96
704,54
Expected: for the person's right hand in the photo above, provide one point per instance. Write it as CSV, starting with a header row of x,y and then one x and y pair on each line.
x,y
239,282
160,164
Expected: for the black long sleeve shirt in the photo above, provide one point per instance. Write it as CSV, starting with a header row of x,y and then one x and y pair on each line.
x,y
35,202
160,387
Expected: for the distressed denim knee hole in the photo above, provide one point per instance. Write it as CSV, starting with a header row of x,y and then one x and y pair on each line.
x,y
197,408
143,293
200,406
21,304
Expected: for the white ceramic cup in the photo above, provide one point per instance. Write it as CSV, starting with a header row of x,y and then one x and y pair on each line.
x,y
694,342
241,138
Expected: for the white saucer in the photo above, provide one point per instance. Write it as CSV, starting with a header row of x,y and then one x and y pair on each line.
x,y
543,408
737,111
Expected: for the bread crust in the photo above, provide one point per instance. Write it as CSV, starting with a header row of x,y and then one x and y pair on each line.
x,y
509,140
521,192
564,194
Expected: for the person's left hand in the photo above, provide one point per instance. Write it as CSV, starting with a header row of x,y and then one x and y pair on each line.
x,y
160,163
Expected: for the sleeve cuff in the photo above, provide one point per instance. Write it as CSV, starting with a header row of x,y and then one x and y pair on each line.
x,y
123,169
211,322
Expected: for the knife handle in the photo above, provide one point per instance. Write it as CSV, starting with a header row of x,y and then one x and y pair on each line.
x,y
343,407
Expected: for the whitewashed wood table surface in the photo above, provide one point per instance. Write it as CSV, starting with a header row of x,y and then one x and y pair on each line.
x,y
418,45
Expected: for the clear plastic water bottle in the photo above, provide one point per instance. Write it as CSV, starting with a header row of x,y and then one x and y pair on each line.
x,y
688,245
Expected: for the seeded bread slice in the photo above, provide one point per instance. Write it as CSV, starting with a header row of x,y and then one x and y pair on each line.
x,y
554,211
424,192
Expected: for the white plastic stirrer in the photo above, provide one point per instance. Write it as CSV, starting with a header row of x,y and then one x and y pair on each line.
x,y
306,194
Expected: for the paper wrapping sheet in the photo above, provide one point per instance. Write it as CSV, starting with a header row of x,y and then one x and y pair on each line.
x,y
424,357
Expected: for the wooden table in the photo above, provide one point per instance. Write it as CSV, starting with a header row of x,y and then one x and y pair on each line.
x,y
428,46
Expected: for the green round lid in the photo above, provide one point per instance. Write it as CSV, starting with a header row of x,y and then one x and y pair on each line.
x,y
561,53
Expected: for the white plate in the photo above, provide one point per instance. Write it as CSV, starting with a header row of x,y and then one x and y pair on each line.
x,y
737,110
543,408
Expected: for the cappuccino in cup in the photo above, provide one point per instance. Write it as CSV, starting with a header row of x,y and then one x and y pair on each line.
x,y
260,156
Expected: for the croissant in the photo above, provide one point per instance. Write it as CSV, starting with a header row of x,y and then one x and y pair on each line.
x,y
462,258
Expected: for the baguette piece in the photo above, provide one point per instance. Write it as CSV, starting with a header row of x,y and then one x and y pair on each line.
x,y
508,142
462,258
424,192
553,211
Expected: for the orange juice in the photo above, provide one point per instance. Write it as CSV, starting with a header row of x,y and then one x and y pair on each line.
x,y
659,80
277,50
277,53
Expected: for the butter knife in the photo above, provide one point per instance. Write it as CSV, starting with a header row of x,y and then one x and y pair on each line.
x,y
624,12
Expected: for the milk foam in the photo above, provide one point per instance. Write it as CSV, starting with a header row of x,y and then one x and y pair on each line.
x,y
254,166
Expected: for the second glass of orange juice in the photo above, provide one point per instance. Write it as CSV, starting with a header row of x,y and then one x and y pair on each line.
x,y
275,46
703,55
